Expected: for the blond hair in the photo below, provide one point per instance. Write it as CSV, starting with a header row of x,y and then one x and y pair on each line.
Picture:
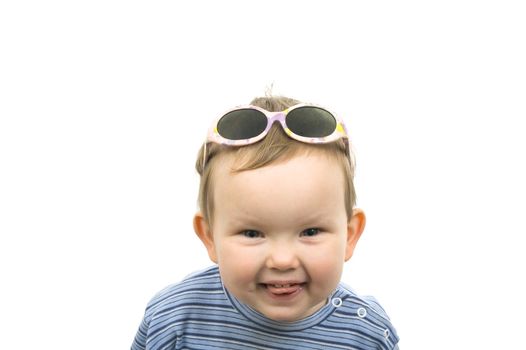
x,y
275,146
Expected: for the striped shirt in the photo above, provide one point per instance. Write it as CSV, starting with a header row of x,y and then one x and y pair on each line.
x,y
199,313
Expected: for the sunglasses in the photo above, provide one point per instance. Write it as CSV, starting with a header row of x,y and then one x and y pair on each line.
x,y
245,125
303,122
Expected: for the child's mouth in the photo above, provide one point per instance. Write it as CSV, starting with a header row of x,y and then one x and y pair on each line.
x,y
284,289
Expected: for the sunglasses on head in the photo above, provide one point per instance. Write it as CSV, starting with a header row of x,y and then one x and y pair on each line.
x,y
245,125
248,124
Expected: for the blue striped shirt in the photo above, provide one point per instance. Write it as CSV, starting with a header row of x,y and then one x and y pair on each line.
x,y
199,313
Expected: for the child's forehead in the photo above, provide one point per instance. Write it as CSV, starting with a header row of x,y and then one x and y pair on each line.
x,y
300,174
305,187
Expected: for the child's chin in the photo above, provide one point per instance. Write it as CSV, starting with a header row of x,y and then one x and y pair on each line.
x,y
285,315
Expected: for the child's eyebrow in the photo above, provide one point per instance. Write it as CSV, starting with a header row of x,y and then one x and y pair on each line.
x,y
239,219
318,219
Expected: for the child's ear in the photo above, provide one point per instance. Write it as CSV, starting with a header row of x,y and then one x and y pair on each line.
x,y
355,228
202,229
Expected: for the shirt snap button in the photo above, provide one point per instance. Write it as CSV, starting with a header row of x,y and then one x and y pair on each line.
x,y
337,302
386,333
362,312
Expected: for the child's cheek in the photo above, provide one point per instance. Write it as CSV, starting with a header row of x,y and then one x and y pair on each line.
x,y
239,264
325,265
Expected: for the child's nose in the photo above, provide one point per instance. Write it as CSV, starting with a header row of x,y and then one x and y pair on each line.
x,y
282,257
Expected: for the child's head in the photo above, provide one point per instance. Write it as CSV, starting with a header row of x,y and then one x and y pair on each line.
x,y
277,217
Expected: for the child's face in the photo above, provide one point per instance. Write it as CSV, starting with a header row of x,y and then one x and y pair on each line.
x,y
280,234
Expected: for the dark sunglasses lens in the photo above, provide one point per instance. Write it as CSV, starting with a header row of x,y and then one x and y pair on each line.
x,y
242,124
311,122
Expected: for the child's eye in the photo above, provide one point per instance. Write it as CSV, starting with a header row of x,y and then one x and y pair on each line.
x,y
251,234
310,232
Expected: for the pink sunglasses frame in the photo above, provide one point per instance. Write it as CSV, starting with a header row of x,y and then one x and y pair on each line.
x,y
340,131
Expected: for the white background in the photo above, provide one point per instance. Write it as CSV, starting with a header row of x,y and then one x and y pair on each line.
x,y
104,104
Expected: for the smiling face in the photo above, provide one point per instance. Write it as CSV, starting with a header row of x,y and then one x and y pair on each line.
x,y
281,233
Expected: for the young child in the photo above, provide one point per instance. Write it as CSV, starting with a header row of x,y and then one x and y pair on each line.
x,y
277,217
